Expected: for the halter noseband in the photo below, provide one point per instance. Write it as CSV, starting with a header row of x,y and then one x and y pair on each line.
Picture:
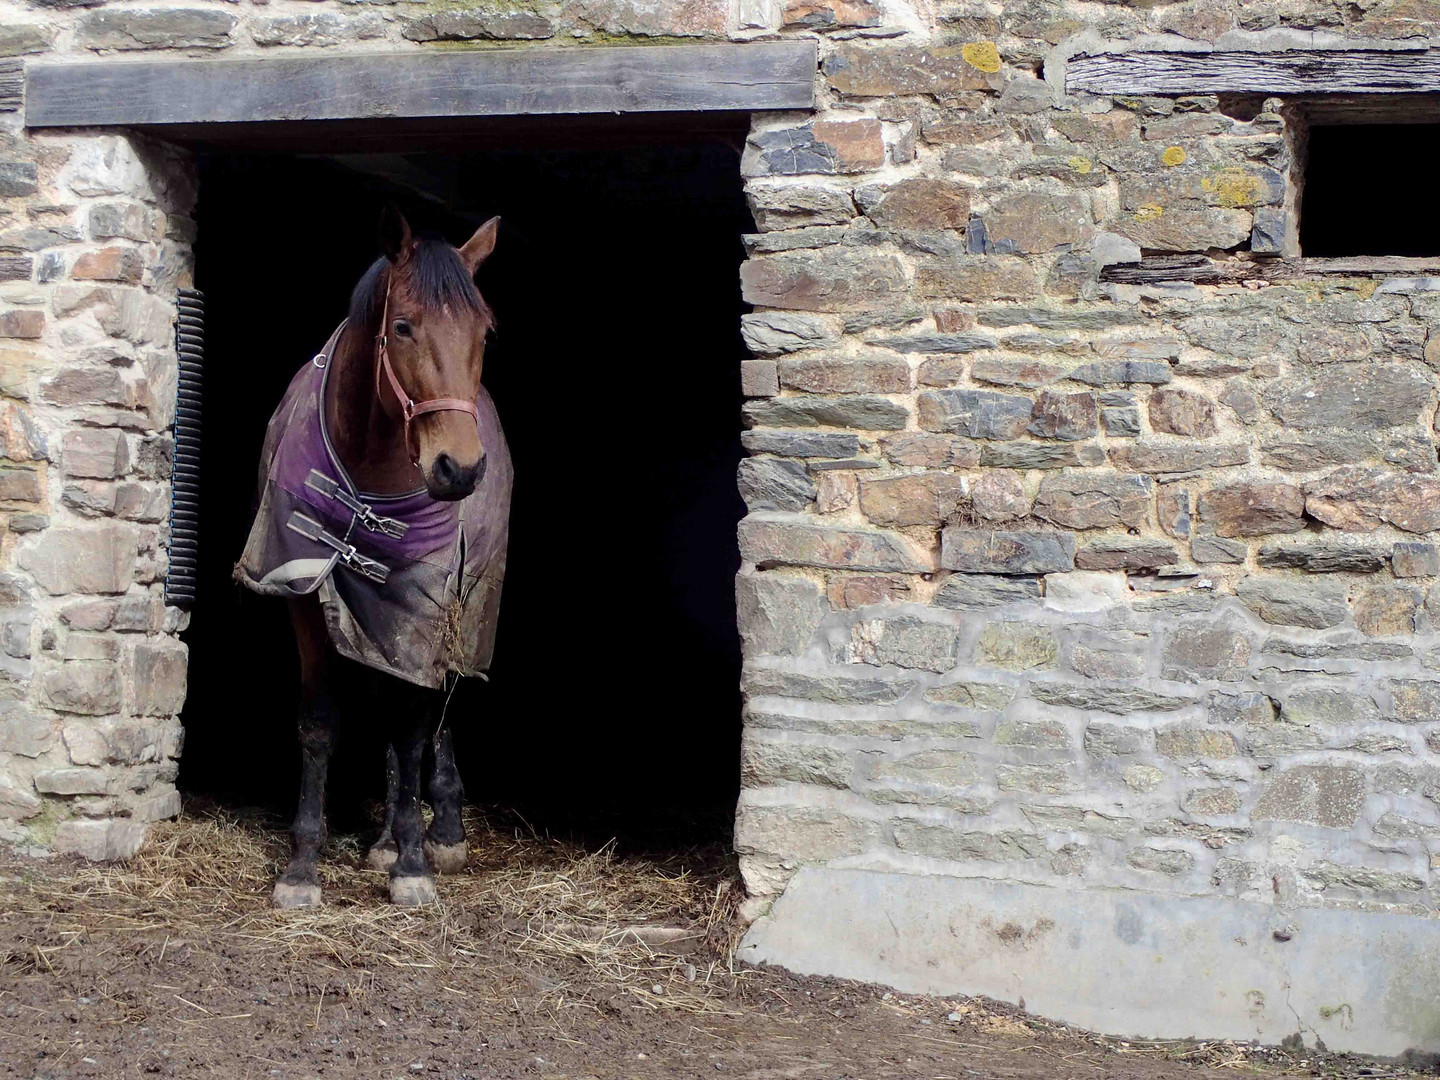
x,y
409,407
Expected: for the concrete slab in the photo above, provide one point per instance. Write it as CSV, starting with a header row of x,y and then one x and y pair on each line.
x,y
1134,964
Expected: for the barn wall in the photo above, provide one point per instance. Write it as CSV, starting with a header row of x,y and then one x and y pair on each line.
x,y
1050,582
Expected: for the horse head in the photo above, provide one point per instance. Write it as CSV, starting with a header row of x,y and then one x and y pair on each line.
x,y
430,348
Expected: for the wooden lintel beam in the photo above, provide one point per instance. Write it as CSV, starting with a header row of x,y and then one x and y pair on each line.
x,y
482,82
1296,71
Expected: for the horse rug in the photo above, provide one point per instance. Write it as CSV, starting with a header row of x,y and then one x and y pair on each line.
x,y
409,585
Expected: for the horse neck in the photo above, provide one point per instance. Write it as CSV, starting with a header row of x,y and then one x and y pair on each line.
x,y
368,440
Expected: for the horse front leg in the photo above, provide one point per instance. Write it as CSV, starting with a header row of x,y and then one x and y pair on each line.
x,y
319,727
382,853
411,881
445,841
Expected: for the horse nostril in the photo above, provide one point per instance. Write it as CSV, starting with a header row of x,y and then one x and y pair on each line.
x,y
445,471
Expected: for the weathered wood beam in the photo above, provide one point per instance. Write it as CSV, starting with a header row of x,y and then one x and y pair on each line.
x,y
11,85
483,82
1312,71
1203,270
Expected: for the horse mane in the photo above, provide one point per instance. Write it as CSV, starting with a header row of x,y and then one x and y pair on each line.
x,y
436,276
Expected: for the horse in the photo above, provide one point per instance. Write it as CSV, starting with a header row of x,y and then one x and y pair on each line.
x,y
382,519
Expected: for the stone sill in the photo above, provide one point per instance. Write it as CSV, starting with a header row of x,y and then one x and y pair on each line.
x,y
1420,274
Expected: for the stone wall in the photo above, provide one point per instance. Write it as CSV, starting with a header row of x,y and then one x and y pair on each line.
x,y
1048,579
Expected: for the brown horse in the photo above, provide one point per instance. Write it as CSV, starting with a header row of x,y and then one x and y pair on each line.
x,y
383,518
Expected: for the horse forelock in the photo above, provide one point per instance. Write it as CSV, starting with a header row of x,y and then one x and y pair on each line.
x,y
433,276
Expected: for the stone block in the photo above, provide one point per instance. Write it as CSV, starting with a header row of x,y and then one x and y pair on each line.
x,y
918,203
834,280
825,147
1114,740
1417,701
1162,229
89,687
23,731
465,25
1121,422
1125,553
1015,371
759,378
1064,416
122,264
835,688
1092,499
861,411
1214,549
929,498
1041,779
1033,735
1182,412
1120,700
778,614
1253,508
792,206
1101,662
1328,706
1154,860
1356,397
832,14
99,453
18,802
77,781
17,178
891,71
990,697
1176,458
160,679
905,642
999,496
801,444
982,278
1412,560
1039,455
99,840
803,834
782,540
22,324
1322,557
770,761
993,552
836,374
1309,604
1016,646
155,28
773,483
1199,654
1185,742
1029,222
968,592
1329,796
1384,610
1356,498
769,332
945,842
938,768
978,414
20,485
100,559
1325,874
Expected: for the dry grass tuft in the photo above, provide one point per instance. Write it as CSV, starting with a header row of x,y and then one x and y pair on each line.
x,y
663,934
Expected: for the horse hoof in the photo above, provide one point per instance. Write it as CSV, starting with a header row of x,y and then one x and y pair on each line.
x,y
412,891
447,858
286,896
381,857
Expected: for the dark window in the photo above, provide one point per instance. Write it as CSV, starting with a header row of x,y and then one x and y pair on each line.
x,y
1370,189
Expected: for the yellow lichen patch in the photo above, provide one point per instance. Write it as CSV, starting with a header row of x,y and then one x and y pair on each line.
x,y
1080,164
1234,187
982,55
1173,155
1148,211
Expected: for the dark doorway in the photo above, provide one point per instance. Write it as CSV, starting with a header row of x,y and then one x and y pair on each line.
x,y
1369,190
613,704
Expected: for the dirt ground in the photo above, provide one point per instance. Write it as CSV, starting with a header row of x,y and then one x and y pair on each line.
x,y
543,960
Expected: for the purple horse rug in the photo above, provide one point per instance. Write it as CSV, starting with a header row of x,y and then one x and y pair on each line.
x,y
409,585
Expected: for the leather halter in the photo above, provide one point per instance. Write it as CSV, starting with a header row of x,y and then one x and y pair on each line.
x,y
409,407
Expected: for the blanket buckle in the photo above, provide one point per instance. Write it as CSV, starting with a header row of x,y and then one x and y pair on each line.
x,y
373,522
312,530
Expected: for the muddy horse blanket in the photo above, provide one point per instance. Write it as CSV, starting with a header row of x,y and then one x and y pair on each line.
x,y
409,585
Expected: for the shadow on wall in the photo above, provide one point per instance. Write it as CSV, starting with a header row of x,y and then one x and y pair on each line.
x,y
613,704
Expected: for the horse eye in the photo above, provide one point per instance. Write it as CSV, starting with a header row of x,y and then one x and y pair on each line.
x,y
402,328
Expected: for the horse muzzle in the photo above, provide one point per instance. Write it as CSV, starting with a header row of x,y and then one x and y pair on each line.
x,y
450,481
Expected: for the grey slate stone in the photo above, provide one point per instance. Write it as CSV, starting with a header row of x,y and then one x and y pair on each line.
x,y
1322,557
977,551
1409,560
1308,604
1356,397
800,444
1217,549
980,414
1112,372
853,411
772,483
1120,700
156,28
957,342
777,613
836,688
965,592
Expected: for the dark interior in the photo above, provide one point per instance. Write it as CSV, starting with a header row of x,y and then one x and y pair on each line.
x,y
613,703
1370,190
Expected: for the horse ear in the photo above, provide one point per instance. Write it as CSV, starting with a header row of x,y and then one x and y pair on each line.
x,y
395,235
478,248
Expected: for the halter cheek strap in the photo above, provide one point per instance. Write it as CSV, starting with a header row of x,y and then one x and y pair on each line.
x,y
409,407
